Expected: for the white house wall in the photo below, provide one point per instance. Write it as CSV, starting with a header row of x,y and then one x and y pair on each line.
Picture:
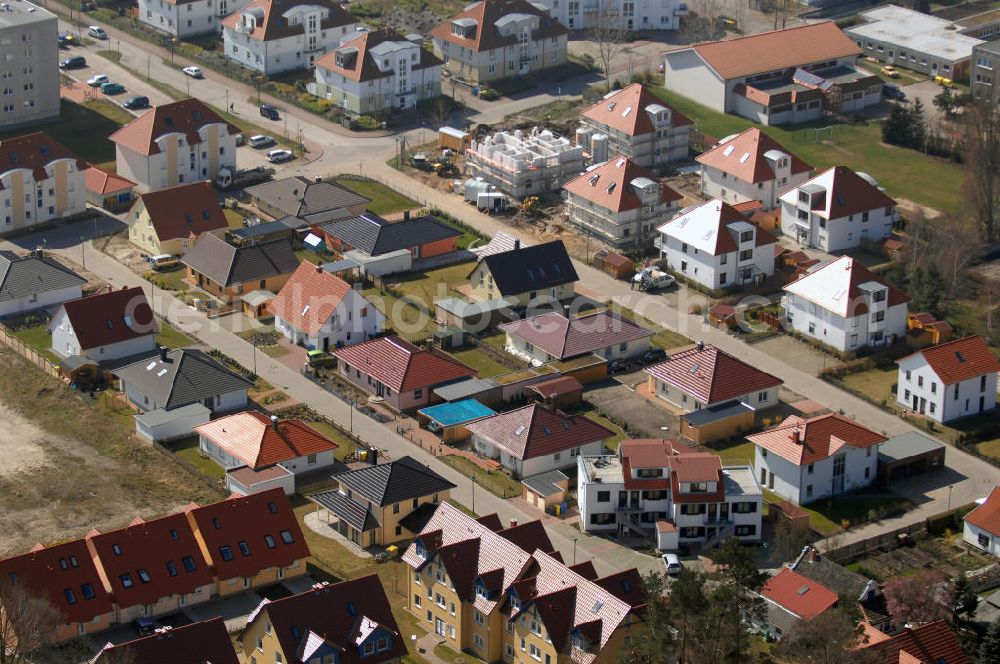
x,y
792,482
40,300
185,20
718,184
286,54
841,233
843,334
688,75
971,533
923,383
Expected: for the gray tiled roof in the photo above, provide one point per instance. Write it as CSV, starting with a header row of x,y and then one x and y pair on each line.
x,y
298,197
188,376
375,236
395,481
346,509
30,275
227,265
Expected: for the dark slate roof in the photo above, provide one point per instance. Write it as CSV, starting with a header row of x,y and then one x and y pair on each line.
x,y
826,572
199,642
716,413
354,513
388,483
187,376
544,484
298,197
906,446
418,518
526,269
227,265
283,225
30,275
375,236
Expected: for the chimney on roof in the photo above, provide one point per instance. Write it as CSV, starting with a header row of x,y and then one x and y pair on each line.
x,y
318,178
813,555
163,353
797,436
517,244
406,215
701,345
319,268
566,310
373,456
274,422
513,523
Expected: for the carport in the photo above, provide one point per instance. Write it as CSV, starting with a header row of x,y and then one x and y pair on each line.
x,y
908,454
449,418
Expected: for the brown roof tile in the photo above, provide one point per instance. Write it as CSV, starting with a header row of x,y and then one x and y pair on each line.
x,y
275,26
754,168
563,337
184,211
486,13
819,437
252,438
611,111
34,152
362,67
402,366
801,596
187,117
101,181
962,359
987,515
609,185
110,317
933,643
711,375
197,643
309,298
536,430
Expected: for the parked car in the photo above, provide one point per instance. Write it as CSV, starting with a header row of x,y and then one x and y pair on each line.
x,y
672,563
654,355
260,141
97,80
617,366
279,156
270,112
893,92
145,626
890,71
192,71
135,103
163,262
97,32
112,88
75,62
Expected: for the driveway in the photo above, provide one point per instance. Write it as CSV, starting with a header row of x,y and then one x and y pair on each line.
x,y
925,91
797,353
624,404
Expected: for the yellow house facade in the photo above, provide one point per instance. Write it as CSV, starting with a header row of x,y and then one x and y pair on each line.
x,y
171,221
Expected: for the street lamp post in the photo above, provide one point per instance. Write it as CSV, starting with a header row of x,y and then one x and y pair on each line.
x,y
253,343
574,549
83,251
473,494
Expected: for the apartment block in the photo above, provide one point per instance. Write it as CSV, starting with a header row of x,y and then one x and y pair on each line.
x,y
186,18
523,164
29,65
629,15
40,181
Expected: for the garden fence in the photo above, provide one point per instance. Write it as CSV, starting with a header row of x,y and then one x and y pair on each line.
x,y
28,353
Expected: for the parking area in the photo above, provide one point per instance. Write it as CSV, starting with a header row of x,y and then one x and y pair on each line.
x,y
623,404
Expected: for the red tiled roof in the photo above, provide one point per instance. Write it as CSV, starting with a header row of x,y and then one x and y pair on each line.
x,y
650,452
932,643
754,168
402,366
820,437
536,430
711,375
313,287
697,467
274,25
610,111
101,181
363,66
626,586
987,515
186,117
798,594
198,643
585,569
557,386
252,438
563,337
249,520
110,317
33,152
184,211
609,185
55,571
958,360
848,193
156,550
486,13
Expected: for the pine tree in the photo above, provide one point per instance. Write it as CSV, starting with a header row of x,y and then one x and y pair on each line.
x,y
918,126
989,649
896,130
966,601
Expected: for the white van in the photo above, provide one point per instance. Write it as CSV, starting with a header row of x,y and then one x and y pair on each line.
x,y
163,262
672,563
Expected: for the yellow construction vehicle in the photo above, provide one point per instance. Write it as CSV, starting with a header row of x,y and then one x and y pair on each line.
x,y
529,204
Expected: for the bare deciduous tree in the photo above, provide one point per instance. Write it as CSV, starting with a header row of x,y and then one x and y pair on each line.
x,y
982,167
26,623
608,34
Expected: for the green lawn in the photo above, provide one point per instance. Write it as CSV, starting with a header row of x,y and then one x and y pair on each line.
x,y
875,384
172,280
344,443
384,199
496,482
481,362
858,508
233,218
38,337
187,449
737,454
84,128
171,337
904,173
619,434
413,316
662,337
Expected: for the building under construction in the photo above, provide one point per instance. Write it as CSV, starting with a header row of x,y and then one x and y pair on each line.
x,y
523,164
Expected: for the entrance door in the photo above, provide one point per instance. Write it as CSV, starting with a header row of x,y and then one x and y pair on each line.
x,y
634,499
439,627
839,465
916,402
326,344
622,498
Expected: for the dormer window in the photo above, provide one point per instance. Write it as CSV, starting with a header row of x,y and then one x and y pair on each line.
x,y
419,549
481,590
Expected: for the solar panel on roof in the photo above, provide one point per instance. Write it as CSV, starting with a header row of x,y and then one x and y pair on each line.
x,y
519,431
628,109
621,162
150,366
728,151
743,159
708,235
839,294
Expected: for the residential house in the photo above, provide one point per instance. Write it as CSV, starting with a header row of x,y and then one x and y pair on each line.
x,y
496,39
108,190
664,491
837,210
536,438
35,282
349,622
31,77
851,586
480,591
790,598
803,460
180,377
704,376
177,143
197,643
152,567
637,125
254,441
384,503
750,166
539,274
105,326
378,72
949,381
315,202
985,59
316,309
399,372
228,272
171,221
40,180
982,525
69,579
619,202
554,336
844,305
186,18
808,70
401,243
252,541
715,245
642,15
274,36
930,643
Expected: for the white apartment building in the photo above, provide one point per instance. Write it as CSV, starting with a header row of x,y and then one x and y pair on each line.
x,y
949,381
661,489
627,14
186,18
40,181
637,124
272,36
750,166
805,460
377,72
522,164
714,245
177,143
495,39
619,202
843,305
29,68
836,210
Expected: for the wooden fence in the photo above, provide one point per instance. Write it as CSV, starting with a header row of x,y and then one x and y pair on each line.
x,y
887,540
28,353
